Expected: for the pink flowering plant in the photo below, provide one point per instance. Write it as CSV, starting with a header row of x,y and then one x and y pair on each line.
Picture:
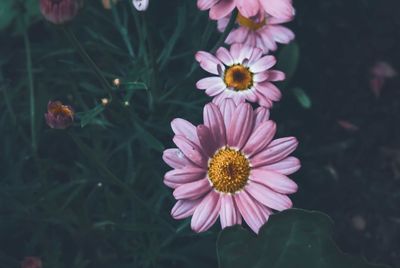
x,y
145,133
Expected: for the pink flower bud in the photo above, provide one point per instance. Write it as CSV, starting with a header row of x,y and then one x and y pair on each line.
x,y
31,262
59,116
60,11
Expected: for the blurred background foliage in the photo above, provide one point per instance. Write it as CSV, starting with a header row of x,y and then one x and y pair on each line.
x,y
92,196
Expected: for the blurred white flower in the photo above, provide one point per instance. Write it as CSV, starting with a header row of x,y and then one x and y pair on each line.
x,y
140,5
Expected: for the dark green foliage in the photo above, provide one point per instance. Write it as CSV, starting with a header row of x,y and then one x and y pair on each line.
x,y
293,238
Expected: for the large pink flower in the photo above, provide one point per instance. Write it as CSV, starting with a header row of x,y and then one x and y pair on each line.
x,y
230,167
242,74
220,8
263,31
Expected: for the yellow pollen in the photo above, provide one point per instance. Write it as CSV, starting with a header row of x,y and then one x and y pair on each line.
x,y
238,77
249,23
228,170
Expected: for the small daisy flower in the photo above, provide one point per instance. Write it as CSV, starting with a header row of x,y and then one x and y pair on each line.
x,y
261,31
241,74
282,9
230,167
60,11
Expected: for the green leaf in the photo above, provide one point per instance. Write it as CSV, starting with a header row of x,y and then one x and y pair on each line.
x,y
288,60
290,239
149,139
302,98
89,116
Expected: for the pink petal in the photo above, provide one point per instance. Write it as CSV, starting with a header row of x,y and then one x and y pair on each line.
x,y
274,75
184,208
241,127
255,56
248,8
261,114
228,214
208,62
222,24
277,150
277,182
192,190
214,121
281,34
268,39
245,52
206,213
254,214
263,64
260,138
222,9
184,128
286,166
268,197
268,90
279,8
260,77
238,35
206,4
227,107
224,56
185,175
206,140
235,52
175,158
191,150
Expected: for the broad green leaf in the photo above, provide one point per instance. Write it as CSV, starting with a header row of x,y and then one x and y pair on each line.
x,y
89,116
291,239
288,60
302,97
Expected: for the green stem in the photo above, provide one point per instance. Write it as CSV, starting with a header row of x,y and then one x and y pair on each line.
x,y
228,29
87,151
123,31
31,90
85,56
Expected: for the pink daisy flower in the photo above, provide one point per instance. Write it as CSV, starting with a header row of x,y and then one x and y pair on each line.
x,y
220,8
261,31
230,167
242,74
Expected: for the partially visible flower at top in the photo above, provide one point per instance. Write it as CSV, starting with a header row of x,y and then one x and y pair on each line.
x,y
263,31
31,262
379,73
60,11
241,74
282,9
230,167
141,5
107,4
59,116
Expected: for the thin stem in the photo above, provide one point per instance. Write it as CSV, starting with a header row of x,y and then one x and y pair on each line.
x,y
85,56
87,151
228,29
31,90
122,30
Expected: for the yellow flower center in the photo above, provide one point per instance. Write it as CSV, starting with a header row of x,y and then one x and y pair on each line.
x,y
249,23
228,170
238,77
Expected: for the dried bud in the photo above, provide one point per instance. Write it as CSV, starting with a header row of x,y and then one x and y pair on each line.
x,y
60,11
59,116
107,4
140,5
31,262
